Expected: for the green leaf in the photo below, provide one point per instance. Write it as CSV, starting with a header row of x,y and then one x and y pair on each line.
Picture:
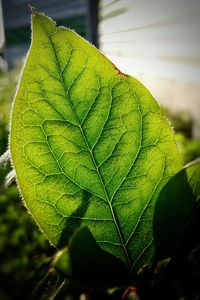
x,y
89,145
175,208
84,262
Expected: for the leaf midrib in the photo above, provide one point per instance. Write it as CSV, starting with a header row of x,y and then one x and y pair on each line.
x,y
91,153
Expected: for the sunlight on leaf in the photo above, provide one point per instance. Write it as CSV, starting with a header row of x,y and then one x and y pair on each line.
x,y
89,145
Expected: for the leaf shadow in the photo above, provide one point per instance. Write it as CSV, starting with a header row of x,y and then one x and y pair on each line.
x,y
73,222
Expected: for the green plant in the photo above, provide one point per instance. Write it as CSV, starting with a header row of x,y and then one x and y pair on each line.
x,y
95,161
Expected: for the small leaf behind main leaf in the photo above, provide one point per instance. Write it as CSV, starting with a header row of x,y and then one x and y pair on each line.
x,y
87,264
174,209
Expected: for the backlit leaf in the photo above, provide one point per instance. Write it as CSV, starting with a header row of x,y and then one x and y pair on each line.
x,y
89,145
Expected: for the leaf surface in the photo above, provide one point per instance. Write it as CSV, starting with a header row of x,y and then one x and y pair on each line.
x,y
89,145
175,209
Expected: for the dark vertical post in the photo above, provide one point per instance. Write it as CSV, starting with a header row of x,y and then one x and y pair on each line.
x,y
93,7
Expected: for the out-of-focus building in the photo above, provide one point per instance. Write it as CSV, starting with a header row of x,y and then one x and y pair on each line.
x,y
158,42
74,14
2,37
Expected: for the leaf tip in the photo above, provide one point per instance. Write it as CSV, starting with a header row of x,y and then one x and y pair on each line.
x,y
33,9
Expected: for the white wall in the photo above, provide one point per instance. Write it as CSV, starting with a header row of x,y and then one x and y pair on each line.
x,y
158,42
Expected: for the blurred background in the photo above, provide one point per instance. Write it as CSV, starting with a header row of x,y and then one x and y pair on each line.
x,y
156,41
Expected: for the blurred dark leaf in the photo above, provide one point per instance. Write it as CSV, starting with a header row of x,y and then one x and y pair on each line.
x,y
174,209
89,265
